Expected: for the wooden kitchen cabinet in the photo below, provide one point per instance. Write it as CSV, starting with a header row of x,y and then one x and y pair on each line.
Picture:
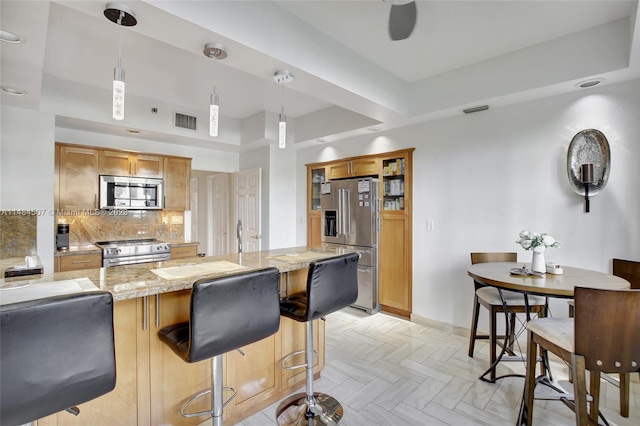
x,y
123,163
315,179
152,382
395,238
177,178
362,166
183,252
77,172
75,262
394,170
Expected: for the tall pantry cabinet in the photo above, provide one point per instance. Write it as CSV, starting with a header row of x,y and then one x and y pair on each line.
x,y
394,170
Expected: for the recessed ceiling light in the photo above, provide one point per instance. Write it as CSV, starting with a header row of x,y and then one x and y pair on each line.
x,y
374,129
10,37
13,91
590,83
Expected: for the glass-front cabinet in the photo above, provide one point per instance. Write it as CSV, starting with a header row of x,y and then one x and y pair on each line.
x,y
315,177
393,172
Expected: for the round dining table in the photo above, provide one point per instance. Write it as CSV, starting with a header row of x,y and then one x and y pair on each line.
x,y
497,274
500,276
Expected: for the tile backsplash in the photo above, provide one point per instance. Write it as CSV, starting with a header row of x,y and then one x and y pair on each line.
x,y
18,234
109,225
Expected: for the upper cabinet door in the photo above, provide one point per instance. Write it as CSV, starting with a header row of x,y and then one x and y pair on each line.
x,y
353,168
150,166
177,178
77,177
121,163
115,163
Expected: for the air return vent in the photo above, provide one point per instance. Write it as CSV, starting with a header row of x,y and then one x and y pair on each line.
x,y
184,121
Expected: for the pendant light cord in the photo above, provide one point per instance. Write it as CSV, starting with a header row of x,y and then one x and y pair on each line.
x,y
120,47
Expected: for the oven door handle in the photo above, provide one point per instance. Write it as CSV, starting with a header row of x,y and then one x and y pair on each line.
x,y
132,260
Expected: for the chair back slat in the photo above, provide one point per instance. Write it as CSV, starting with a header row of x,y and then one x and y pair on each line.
x,y
607,326
483,257
629,270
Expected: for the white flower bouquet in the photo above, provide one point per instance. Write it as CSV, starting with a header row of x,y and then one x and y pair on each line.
x,y
536,241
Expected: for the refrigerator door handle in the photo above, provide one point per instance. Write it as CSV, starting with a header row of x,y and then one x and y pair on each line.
x,y
339,212
347,216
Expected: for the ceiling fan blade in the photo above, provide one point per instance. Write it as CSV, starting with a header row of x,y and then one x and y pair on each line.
x,y
402,20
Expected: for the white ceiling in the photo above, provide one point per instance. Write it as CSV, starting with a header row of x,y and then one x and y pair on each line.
x,y
349,74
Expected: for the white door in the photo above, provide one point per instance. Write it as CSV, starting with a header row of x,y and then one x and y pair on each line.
x,y
218,238
246,189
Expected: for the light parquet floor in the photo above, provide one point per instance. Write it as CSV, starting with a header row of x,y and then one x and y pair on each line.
x,y
389,371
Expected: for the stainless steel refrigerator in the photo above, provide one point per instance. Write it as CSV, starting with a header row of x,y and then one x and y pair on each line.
x,y
350,219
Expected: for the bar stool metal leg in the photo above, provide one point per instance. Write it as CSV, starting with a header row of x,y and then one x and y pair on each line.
x,y
311,408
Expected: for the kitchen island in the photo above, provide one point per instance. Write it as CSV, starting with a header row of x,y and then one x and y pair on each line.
x,y
152,382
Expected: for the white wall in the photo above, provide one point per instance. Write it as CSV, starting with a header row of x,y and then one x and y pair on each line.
x,y
26,171
484,177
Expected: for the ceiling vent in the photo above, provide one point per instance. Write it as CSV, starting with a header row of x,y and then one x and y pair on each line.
x,y
184,121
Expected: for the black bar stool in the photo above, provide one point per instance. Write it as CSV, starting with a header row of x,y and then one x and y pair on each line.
x,y
56,352
332,284
226,313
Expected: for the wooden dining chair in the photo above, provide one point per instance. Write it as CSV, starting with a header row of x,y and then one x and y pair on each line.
x,y
602,338
630,271
489,297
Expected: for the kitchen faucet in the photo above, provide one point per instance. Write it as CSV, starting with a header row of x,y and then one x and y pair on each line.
x,y
239,235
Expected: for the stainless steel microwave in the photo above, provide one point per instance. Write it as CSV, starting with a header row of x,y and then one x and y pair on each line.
x,y
133,193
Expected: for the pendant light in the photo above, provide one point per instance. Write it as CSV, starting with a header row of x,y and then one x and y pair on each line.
x,y
282,78
217,52
123,16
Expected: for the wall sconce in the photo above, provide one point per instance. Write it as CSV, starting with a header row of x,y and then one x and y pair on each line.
x,y
588,163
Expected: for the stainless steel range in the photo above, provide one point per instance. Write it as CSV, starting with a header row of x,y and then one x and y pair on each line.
x,y
128,252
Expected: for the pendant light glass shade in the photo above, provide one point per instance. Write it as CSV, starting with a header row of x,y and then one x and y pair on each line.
x,y
214,110
282,131
118,93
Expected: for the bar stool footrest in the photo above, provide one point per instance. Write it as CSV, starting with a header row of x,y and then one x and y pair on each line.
x,y
295,367
209,412
296,410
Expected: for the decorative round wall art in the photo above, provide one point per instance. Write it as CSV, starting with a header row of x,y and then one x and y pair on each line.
x,y
588,163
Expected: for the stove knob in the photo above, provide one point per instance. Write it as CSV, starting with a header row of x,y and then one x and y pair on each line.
x,y
118,251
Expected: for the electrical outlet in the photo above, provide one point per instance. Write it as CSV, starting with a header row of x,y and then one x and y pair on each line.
x,y
429,225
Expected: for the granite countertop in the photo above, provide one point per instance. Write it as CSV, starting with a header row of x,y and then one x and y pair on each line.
x,y
78,249
147,279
